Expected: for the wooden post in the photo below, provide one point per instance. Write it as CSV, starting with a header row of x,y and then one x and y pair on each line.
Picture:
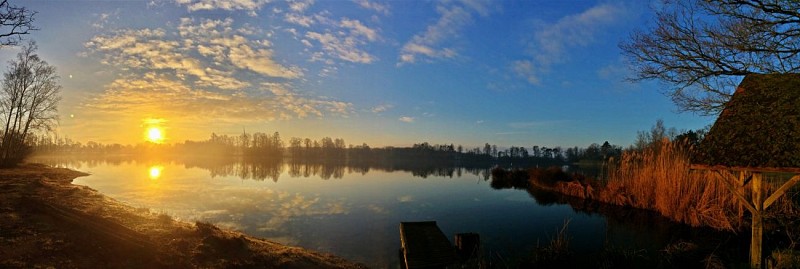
x,y
757,226
740,207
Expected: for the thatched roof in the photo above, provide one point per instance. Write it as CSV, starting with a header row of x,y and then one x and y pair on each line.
x,y
759,127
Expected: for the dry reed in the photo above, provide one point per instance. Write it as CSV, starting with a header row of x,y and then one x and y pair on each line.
x,y
658,178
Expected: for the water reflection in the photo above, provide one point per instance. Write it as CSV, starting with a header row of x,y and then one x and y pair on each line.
x,y
354,210
271,170
155,171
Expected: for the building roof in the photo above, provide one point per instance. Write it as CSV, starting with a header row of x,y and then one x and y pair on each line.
x,y
759,127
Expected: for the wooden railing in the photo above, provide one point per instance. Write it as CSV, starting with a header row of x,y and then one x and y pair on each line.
x,y
757,205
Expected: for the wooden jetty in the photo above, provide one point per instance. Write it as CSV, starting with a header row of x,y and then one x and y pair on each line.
x,y
424,245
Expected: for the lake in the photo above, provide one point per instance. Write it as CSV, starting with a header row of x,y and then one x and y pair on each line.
x,y
354,212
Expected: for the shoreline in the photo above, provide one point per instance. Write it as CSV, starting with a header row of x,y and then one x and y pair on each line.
x,y
46,221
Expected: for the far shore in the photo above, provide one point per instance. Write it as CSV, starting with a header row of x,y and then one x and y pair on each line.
x,y
46,221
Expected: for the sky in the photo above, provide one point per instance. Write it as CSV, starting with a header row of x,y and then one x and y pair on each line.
x,y
385,73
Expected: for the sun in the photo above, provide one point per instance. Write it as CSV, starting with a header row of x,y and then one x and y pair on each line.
x,y
155,134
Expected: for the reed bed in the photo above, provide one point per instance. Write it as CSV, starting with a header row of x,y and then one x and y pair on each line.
x,y
658,178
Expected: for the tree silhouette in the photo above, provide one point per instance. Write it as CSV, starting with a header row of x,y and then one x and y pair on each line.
x,y
703,48
29,99
15,22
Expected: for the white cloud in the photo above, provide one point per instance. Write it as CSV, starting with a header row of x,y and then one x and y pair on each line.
x,y
526,69
481,6
104,18
300,5
454,17
305,21
335,39
380,8
342,47
551,42
303,106
218,39
247,5
381,108
201,66
406,119
151,93
260,61
358,29
150,49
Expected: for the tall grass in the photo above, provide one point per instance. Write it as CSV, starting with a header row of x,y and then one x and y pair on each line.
x,y
656,177
555,252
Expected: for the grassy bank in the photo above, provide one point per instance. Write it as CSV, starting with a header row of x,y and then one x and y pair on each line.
x,y
46,222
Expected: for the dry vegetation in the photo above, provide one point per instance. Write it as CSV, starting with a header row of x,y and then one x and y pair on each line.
x,y
658,178
557,250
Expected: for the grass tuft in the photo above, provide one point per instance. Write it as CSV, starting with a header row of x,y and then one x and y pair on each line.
x,y
556,251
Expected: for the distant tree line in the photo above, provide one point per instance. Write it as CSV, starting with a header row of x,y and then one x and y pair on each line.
x,y
262,156
270,147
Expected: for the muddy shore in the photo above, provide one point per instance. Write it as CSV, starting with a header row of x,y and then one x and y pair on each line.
x,y
47,222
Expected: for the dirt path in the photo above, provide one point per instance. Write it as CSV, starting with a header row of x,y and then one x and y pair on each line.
x,y
45,221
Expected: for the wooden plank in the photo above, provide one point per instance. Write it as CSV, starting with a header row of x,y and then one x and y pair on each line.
x,y
425,245
757,227
742,181
739,168
724,176
778,193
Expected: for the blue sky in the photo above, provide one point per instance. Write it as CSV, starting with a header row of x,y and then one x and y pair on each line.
x,y
382,72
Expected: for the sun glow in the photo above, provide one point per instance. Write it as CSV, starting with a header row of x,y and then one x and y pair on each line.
x,y
155,172
154,130
155,135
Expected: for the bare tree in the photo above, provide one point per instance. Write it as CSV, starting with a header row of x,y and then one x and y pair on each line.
x,y
15,22
29,99
702,48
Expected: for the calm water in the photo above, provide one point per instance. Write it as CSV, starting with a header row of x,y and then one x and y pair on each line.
x,y
355,213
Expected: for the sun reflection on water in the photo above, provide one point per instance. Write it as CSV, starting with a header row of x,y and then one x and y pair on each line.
x,y
155,171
